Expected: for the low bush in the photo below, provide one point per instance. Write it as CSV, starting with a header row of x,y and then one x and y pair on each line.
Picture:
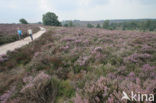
x,y
66,89
90,65
41,89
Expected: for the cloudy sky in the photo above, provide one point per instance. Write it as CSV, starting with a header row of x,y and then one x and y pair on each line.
x,y
32,10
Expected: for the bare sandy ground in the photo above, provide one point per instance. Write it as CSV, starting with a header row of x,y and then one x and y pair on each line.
x,y
17,44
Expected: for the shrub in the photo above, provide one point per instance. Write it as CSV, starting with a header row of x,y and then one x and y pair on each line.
x,y
90,25
41,89
110,90
106,24
104,69
98,26
136,58
66,89
79,99
78,68
62,72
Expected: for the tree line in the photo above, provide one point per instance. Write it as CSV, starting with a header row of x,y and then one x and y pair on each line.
x,y
51,19
147,25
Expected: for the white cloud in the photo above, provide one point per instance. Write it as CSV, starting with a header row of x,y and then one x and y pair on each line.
x,y
77,9
115,9
84,2
44,5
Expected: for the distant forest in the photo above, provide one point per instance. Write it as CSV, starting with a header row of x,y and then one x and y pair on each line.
x,y
129,24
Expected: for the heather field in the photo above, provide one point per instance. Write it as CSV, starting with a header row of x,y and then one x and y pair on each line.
x,y
8,32
80,65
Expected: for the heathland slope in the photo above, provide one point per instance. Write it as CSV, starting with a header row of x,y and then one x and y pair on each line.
x,y
80,65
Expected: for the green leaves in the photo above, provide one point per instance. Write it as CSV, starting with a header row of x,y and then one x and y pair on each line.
x,y
51,19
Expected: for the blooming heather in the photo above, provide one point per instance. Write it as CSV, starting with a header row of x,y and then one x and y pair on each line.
x,y
98,65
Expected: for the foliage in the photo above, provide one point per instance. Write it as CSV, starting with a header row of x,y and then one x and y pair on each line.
x,y
145,25
50,19
71,24
90,25
65,25
106,24
68,24
66,89
23,21
88,65
98,26
41,89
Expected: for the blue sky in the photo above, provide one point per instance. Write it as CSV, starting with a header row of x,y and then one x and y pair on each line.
x,y
32,10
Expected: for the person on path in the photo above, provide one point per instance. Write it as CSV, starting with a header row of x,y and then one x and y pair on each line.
x,y
19,33
30,33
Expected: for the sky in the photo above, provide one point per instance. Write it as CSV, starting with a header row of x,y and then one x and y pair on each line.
x,y
32,10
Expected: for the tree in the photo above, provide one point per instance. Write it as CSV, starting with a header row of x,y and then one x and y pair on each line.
x,y
98,26
112,26
132,25
143,26
39,22
152,26
70,24
23,21
51,19
66,25
106,24
90,25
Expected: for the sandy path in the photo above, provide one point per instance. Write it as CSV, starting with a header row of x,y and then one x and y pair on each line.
x,y
17,44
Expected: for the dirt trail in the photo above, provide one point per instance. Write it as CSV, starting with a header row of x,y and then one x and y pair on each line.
x,y
17,44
